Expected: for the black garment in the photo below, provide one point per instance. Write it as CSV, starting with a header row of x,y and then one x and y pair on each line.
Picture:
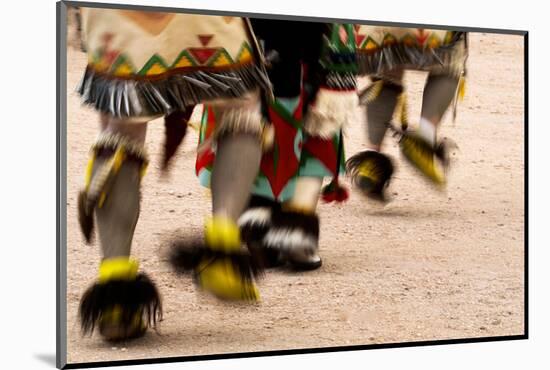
x,y
288,45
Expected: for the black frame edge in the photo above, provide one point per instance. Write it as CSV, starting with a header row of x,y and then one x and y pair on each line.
x,y
227,356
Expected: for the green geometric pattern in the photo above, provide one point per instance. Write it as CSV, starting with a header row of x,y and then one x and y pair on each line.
x,y
407,39
184,54
156,64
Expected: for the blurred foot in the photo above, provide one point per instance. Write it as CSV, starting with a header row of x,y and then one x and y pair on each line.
x,y
226,270
254,223
424,157
371,172
295,235
303,260
122,303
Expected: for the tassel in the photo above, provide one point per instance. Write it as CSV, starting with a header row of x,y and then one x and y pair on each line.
x,y
175,125
334,192
460,93
369,94
403,111
462,88
85,217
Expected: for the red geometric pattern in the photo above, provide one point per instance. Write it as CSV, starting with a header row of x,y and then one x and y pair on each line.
x,y
202,54
205,39
281,164
422,36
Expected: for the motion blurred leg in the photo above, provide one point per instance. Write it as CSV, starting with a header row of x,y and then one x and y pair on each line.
x,y
123,302
221,266
421,148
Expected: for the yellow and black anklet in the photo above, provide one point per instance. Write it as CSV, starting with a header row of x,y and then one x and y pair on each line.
x,y
220,265
122,303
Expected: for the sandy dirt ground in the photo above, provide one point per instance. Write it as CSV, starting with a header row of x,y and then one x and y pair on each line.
x,y
427,266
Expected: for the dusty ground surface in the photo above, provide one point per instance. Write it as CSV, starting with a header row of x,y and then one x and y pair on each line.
x,y
427,266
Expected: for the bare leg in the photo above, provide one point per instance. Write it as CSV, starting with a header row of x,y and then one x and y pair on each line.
x,y
438,95
298,221
379,114
123,302
306,195
221,266
422,149
235,169
118,215
380,111
371,170
238,154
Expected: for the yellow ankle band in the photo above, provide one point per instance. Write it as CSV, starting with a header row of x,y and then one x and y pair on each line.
x,y
222,234
119,268
222,279
118,158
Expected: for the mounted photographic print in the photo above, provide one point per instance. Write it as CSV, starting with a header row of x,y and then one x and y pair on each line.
x,y
236,185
